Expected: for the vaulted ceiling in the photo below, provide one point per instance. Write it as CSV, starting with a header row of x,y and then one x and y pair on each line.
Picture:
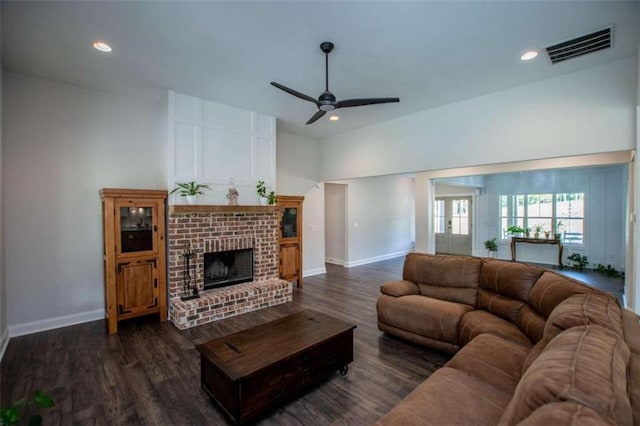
x,y
427,53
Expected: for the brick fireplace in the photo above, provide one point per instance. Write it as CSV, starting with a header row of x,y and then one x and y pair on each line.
x,y
214,229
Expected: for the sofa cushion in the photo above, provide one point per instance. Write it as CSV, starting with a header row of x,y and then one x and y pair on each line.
x,y
449,397
493,360
596,308
505,287
478,322
534,353
531,323
553,288
434,318
399,288
631,328
451,278
565,413
586,365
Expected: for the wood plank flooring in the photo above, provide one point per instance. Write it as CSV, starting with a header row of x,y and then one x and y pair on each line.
x,y
150,373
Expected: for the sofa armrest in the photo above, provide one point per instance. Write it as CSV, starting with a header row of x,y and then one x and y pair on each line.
x,y
399,288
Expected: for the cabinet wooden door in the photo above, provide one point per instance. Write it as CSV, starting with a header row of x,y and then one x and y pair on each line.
x,y
290,237
134,256
289,261
137,287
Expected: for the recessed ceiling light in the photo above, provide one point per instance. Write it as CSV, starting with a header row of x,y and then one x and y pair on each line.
x,y
102,46
334,118
527,56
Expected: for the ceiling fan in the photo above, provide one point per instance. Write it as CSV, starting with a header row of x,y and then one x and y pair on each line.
x,y
327,100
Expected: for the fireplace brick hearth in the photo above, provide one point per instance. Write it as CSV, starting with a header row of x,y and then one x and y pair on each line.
x,y
214,228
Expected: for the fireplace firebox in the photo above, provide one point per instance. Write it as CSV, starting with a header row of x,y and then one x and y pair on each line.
x,y
225,268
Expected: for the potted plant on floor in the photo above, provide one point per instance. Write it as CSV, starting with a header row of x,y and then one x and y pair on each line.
x,y
492,247
190,190
578,261
13,415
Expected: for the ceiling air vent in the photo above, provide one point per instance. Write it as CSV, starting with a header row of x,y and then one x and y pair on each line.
x,y
579,46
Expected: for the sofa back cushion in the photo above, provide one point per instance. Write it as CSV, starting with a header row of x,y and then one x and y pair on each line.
x,y
597,308
553,288
451,278
586,365
505,287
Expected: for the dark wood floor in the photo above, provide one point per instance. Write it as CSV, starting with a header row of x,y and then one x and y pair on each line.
x,y
150,373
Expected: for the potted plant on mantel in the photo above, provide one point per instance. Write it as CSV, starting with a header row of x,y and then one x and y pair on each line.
x,y
265,198
190,190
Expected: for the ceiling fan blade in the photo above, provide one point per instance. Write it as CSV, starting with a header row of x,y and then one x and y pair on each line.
x,y
316,116
367,101
295,93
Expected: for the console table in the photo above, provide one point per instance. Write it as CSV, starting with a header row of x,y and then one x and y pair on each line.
x,y
552,241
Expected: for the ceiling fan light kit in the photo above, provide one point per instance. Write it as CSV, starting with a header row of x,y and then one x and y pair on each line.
x,y
327,100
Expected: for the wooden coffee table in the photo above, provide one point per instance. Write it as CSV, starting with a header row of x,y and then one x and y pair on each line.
x,y
253,371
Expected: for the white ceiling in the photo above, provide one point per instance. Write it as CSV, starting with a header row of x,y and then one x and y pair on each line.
x,y
427,53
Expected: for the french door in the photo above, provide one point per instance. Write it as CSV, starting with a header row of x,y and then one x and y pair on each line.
x,y
452,224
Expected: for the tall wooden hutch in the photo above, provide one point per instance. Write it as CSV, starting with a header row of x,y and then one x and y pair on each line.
x,y
290,237
133,222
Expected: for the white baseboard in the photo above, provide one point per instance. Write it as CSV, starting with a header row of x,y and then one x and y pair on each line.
x,y
57,322
315,271
333,261
377,258
4,342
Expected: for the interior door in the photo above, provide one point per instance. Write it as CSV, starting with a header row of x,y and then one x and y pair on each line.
x,y
452,224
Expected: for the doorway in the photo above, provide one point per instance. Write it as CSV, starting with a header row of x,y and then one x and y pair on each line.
x,y
335,218
452,224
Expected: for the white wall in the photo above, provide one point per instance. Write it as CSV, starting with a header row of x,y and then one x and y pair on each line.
x,y
335,206
61,144
584,112
297,174
4,334
605,192
216,144
380,218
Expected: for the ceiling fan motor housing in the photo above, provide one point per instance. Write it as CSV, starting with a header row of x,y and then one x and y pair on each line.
x,y
327,101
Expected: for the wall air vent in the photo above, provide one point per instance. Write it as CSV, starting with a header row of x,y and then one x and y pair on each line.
x,y
599,40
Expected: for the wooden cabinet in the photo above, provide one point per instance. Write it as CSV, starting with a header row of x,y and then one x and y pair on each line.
x,y
133,222
290,237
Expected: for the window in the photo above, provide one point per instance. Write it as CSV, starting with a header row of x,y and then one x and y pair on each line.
x,y
439,217
460,217
555,213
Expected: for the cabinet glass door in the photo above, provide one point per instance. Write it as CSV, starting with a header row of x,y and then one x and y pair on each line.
x,y
136,228
289,222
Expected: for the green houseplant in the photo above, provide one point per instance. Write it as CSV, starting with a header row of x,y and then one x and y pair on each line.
x,y
578,261
265,198
271,198
515,230
190,190
13,415
537,229
491,246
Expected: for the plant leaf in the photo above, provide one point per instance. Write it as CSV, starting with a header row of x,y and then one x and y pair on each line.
x,y
35,420
43,400
10,416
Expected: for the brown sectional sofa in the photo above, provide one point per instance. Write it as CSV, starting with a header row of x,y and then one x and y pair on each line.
x,y
532,347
